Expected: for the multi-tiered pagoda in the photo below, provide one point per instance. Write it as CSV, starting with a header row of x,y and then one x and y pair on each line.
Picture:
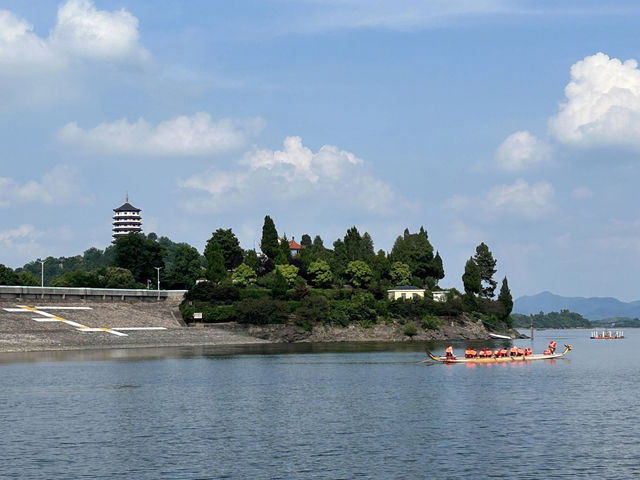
x,y
126,219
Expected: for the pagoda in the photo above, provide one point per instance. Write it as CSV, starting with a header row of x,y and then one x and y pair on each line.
x,y
126,219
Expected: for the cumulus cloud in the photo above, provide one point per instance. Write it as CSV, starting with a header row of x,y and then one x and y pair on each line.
x,y
522,150
85,31
581,192
57,187
182,136
329,176
603,104
81,31
531,201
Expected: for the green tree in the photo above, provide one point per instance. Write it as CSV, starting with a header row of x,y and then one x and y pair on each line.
x,y
305,241
283,257
7,276
269,243
400,273
415,250
185,268
486,268
289,272
139,255
320,273
505,298
244,275
358,273
279,286
381,265
78,278
216,271
438,268
27,279
116,277
471,278
252,260
226,240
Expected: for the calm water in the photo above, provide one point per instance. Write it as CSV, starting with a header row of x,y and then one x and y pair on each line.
x,y
322,412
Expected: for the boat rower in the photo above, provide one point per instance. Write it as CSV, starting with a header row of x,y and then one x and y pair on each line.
x,y
449,352
527,351
552,346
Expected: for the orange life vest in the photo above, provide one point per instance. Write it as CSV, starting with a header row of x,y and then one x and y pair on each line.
x,y
547,352
527,351
513,351
504,352
520,352
552,346
497,352
449,351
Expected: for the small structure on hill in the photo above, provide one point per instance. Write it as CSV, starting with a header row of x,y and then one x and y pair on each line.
x,y
295,247
439,295
126,219
405,292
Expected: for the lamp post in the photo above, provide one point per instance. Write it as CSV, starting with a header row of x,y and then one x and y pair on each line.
x,y
158,269
41,272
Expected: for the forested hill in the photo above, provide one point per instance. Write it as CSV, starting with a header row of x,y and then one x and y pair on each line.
x,y
594,308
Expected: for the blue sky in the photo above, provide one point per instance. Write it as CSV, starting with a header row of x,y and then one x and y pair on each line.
x,y
514,123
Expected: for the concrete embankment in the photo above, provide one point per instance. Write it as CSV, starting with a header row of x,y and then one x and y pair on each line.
x,y
94,320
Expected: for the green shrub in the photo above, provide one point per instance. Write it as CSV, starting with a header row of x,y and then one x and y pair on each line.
x,y
312,310
430,322
410,330
261,311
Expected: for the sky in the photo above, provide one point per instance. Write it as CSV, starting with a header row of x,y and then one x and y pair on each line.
x,y
510,122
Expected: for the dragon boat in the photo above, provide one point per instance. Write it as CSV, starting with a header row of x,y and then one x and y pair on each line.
x,y
510,359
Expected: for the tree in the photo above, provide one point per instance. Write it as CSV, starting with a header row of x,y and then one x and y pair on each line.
x,y
252,260
320,273
289,272
27,279
216,271
279,286
229,247
471,278
7,276
486,268
438,268
381,265
116,277
358,273
244,275
185,269
305,241
284,255
415,250
505,298
269,243
400,273
139,255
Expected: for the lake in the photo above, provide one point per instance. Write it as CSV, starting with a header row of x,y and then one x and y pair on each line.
x,y
322,411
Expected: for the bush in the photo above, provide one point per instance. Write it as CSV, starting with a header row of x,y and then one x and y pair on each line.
x,y
312,310
261,311
430,322
410,330
253,293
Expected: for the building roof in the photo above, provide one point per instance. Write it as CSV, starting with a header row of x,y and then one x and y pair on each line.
x,y
293,245
127,207
406,287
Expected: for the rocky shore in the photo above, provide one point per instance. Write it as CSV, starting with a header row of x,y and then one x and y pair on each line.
x,y
34,329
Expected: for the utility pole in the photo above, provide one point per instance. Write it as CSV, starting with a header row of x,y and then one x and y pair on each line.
x,y
531,318
41,272
158,269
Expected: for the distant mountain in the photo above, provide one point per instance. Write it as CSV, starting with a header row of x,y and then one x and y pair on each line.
x,y
594,308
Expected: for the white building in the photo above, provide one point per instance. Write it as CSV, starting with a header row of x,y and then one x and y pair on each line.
x,y
126,219
405,292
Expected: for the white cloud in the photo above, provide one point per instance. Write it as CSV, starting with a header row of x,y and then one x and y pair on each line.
x,y
84,31
603,104
182,136
522,150
23,232
296,174
57,187
519,199
81,31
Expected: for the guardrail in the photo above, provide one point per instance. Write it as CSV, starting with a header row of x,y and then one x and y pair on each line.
x,y
69,293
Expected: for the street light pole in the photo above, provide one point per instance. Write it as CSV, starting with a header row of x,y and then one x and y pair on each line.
x,y
158,269
41,272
